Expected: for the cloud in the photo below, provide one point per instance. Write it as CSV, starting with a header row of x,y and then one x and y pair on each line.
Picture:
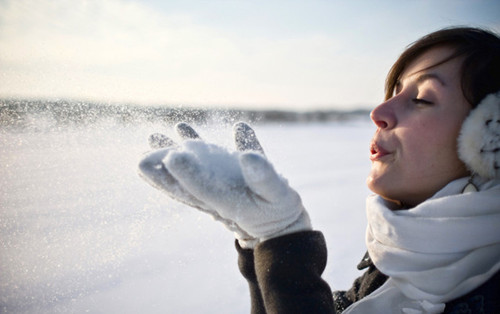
x,y
126,51
79,34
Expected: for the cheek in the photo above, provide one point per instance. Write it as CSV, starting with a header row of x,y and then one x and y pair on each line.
x,y
431,150
417,145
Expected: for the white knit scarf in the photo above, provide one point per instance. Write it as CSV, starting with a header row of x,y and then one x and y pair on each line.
x,y
435,252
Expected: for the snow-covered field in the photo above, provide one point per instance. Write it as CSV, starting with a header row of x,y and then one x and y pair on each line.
x,y
80,232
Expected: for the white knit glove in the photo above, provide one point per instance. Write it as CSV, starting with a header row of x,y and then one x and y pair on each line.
x,y
241,189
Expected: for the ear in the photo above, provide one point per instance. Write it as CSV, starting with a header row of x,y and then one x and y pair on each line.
x,y
479,139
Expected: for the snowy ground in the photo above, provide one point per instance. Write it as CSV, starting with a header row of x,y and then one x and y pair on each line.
x,y
80,232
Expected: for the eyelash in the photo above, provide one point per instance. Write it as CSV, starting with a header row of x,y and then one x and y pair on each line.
x,y
421,101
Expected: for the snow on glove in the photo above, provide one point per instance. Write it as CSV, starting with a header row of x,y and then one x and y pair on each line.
x,y
153,171
240,187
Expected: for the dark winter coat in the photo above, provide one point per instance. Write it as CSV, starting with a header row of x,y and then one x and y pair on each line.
x,y
284,276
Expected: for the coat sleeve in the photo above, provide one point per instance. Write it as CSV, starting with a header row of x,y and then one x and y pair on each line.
x,y
288,271
284,276
247,269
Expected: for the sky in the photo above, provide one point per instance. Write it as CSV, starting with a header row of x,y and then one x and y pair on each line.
x,y
260,54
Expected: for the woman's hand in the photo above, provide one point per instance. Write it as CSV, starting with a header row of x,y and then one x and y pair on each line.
x,y
241,189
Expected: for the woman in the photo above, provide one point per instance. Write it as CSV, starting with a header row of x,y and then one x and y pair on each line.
x,y
433,237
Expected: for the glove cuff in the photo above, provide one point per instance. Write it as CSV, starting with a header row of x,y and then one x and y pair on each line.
x,y
303,223
247,243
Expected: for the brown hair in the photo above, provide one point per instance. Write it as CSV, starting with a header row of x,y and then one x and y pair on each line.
x,y
481,66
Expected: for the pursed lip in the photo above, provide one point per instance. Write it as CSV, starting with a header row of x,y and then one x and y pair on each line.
x,y
377,151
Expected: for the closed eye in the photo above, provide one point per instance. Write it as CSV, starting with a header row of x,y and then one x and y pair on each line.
x,y
421,101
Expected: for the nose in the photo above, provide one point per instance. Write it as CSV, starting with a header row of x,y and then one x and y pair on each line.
x,y
384,115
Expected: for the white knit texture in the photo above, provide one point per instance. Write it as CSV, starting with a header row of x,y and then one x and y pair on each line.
x,y
433,253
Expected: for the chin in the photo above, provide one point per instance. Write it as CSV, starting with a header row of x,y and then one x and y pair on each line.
x,y
383,191
375,184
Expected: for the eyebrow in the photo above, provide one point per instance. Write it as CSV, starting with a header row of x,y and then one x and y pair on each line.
x,y
421,79
429,76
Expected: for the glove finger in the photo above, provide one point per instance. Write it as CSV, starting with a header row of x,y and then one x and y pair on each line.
x,y
187,170
245,138
152,170
158,140
186,132
152,163
261,177
216,179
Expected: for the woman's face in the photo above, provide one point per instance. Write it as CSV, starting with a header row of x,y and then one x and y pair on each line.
x,y
414,150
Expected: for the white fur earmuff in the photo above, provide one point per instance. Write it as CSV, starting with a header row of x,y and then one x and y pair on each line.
x,y
479,139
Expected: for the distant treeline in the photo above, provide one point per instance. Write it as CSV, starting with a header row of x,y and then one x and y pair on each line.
x,y
60,113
